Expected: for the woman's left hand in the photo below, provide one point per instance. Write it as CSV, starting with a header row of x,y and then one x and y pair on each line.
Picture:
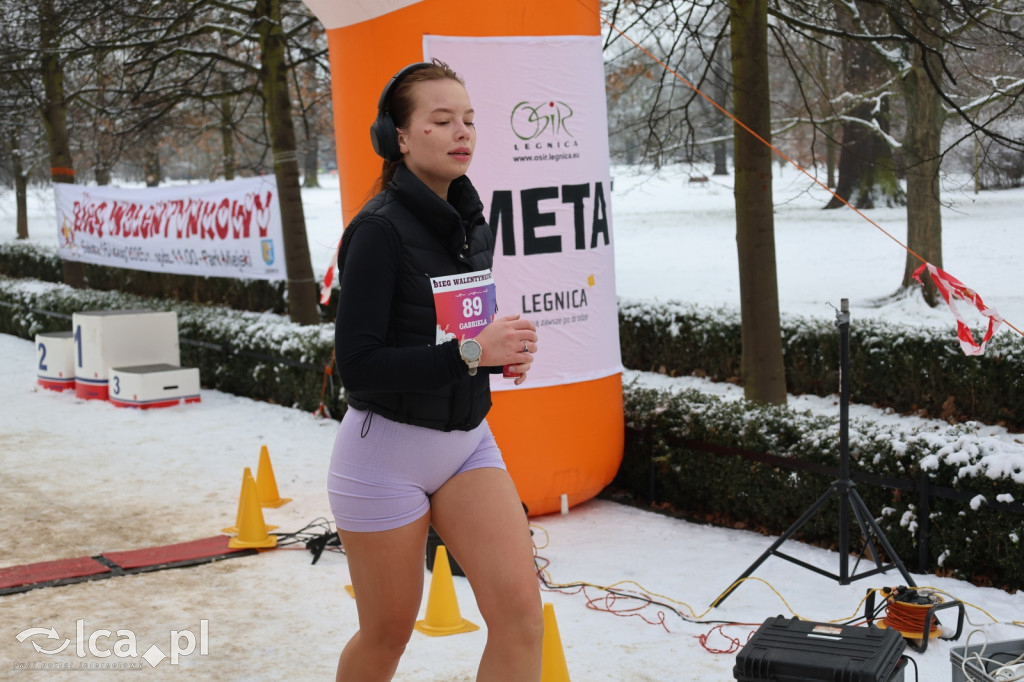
x,y
509,341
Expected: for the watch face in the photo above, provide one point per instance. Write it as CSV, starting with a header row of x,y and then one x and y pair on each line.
x,y
470,350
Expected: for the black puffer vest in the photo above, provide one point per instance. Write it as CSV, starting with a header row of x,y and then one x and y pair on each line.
x,y
437,238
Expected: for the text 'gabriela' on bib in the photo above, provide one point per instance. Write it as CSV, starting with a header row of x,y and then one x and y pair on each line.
x,y
464,304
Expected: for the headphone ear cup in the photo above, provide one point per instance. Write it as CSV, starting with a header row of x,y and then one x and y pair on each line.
x,y
384,137
383,134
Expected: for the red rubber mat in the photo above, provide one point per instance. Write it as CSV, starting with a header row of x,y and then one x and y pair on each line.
x,y
49,571
170,555
109,564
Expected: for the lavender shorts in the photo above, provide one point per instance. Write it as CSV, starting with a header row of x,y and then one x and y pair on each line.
x,y
383,472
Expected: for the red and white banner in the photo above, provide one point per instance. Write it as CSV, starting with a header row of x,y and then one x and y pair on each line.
x,y
220,229
951,289
542,169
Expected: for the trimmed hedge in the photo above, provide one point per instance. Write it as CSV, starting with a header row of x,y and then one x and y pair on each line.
x,y
910,370
980,541
30,261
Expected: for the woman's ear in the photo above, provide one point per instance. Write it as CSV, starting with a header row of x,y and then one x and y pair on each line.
x,y
403,140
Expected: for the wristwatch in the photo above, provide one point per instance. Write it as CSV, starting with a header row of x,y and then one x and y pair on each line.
x,y
471,351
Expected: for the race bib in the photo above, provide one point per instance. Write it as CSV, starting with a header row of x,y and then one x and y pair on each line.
x,y
464,304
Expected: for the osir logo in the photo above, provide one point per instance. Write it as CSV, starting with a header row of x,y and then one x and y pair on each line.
x,y
531,120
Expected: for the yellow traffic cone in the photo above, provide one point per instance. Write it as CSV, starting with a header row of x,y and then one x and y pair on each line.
x,y
266,484
552,665
252,531
247,473
443,617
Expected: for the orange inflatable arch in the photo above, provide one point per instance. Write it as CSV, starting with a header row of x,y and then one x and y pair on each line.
x,y
557,440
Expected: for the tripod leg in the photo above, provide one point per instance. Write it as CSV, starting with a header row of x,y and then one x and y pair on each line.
x,y
855,499
866,532
778,543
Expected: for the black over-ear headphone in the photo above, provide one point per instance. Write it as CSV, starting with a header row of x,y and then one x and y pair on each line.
x,y
383,134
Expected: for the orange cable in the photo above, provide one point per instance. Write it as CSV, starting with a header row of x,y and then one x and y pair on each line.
x,y
771,146
909,619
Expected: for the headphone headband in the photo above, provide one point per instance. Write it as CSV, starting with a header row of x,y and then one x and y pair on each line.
x,y
385,94
383,134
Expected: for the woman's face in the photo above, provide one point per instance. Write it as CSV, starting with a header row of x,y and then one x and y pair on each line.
x,y
439,140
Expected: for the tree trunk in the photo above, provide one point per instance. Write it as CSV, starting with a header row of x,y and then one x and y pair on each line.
x,y
151,166
762,370
922,149
311,161
302,289
976,164
867,174
20,188
54,111
21,198
151,138
720,88
721,158
227,138
830,155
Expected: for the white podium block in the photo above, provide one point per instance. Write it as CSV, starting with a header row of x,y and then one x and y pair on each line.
x,y
147,386
55,360
120,338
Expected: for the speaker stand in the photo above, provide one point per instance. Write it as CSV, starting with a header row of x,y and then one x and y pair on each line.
x,y
849,500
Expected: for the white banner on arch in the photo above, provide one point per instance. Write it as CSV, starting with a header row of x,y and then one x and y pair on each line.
x,y
542,169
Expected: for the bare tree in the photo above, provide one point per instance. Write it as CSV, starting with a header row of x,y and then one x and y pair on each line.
x,y
50,44
659,115
21,138
312,86
672,117
762,369
268,26
140,64
867,172
933,56
54,26
302,287
17,151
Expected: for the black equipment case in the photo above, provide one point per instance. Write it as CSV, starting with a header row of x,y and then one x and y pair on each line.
x,y
792,650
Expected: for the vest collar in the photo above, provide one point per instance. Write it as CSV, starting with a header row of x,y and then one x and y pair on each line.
x,y
448,220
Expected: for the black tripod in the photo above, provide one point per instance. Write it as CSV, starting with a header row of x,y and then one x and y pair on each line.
x,y
849,499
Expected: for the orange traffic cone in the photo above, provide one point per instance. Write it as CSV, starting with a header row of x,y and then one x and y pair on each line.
x,y
266,484
552,666
443,617
247,473
252,531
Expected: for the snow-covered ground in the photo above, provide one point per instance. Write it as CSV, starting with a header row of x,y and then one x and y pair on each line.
x,y
81,478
